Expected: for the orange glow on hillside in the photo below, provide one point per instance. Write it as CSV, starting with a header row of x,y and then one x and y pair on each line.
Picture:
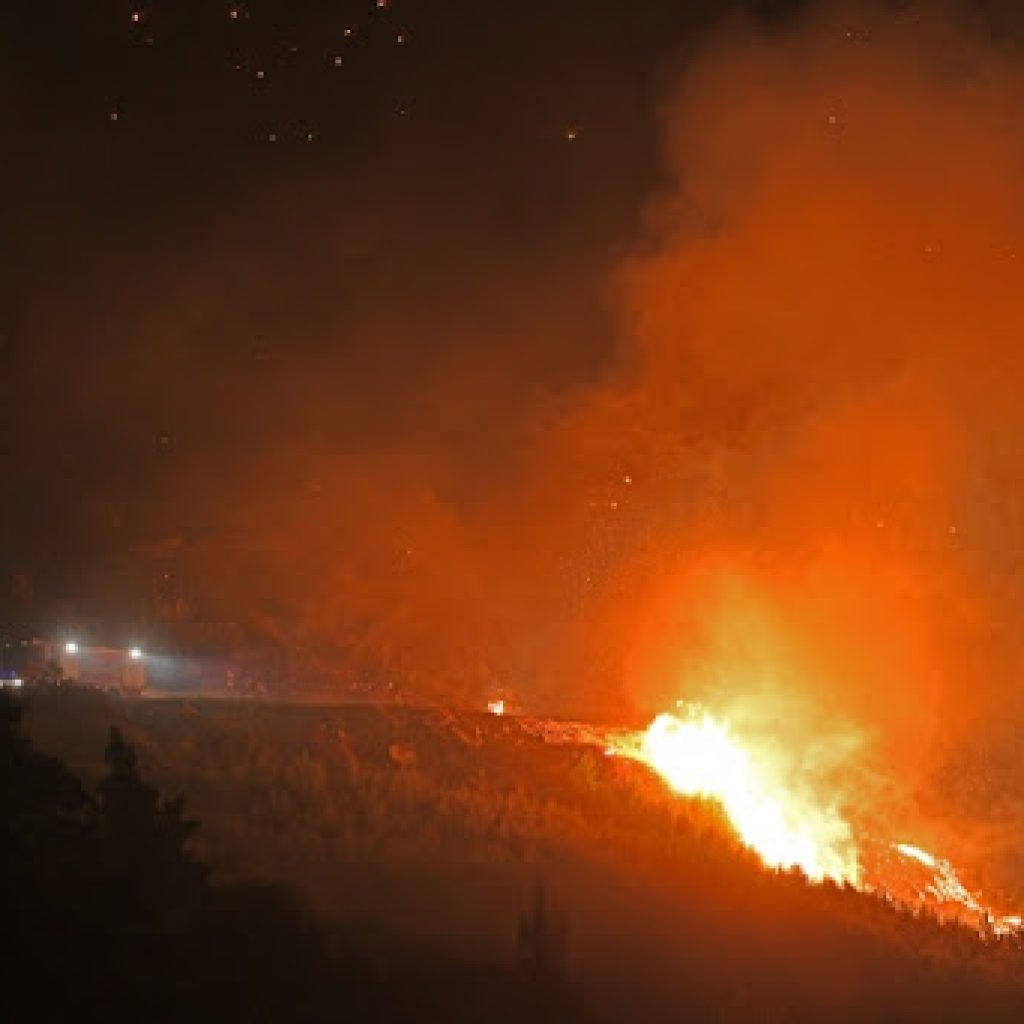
x,y
945,889
788,826
697,755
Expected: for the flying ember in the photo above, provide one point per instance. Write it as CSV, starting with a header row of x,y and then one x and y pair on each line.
x,y
945,888
697,755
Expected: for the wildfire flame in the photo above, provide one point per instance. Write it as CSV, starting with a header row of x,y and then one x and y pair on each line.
x,y
697,755
946,888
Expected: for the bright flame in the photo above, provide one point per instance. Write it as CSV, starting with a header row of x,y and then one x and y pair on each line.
x,y
946,887
699,756
496,707
915,853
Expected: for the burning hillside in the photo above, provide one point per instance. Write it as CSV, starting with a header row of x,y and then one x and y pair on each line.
x,y
662,900
788,827
699,757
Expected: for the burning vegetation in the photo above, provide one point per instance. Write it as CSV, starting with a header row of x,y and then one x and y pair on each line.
x,y
649,896
698,757
791,828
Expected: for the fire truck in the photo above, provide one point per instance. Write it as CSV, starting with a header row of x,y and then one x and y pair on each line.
x,y
107,668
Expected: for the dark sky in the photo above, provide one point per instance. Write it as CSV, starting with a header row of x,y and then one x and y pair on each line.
x,y
244,241
226,225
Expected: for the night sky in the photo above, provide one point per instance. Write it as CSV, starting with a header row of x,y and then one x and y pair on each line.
x,y
207,203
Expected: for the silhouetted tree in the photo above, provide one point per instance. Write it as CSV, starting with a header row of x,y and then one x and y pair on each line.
x,y
144,839
541,951
32,785
45,822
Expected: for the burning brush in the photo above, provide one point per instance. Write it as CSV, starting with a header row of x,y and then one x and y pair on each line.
x,y
698,755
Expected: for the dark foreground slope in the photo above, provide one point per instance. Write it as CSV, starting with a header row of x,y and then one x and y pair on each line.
x,y
108,911
414,841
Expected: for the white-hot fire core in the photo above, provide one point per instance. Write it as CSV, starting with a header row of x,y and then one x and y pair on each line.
x,y
697,755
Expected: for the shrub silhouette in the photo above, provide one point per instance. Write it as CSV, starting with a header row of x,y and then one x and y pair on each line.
x,y
110,912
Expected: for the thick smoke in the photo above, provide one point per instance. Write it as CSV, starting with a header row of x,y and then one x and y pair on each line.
x,y
791,485
819,401
796,473
795,492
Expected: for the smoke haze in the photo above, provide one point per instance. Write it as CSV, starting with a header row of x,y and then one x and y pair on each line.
x,y
761,450
822,348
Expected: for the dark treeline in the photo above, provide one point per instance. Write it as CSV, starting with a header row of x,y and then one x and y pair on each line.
x,y
397,853
107,911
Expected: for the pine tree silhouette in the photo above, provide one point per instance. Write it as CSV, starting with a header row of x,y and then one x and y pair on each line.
x,y
144,838
541,946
